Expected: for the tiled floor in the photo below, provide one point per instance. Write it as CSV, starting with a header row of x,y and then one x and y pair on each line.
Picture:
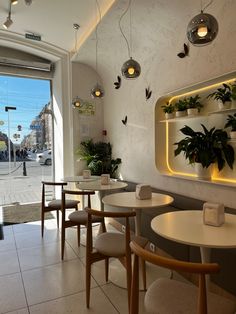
x,y
34,280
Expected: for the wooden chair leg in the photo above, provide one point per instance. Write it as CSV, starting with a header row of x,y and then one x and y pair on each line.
x,y
143,266
62,241
78,234
88,282
42,223
107,269
134,299
129,278
57,219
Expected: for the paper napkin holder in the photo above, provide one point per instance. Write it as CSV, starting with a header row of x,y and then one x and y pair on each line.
x,y
143,191
213,214
86,174
105,179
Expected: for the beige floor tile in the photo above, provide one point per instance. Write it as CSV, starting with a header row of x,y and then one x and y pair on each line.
x,y
34,226
76,304
12,295
47,283
8,229
33,238
8,243
71,239
45,255
22,311
9,263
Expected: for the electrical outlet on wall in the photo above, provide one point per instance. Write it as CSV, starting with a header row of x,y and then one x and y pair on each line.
x,y
152,247
123,228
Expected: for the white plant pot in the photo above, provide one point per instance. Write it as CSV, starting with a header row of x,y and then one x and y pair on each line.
x,y
203,173
179,114
233,135
233,104
223,106
169,115
192,111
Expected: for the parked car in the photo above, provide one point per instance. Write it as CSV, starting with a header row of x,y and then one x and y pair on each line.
x,y
44,158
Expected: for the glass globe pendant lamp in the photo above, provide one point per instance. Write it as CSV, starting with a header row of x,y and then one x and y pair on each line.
x,y
202,29
97,91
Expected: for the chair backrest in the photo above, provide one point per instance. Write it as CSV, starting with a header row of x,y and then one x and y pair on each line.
x,y
198,268
48,183
76,192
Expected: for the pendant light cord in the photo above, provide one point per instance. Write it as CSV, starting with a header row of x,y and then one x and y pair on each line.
x,y
125,38
96,32
209,3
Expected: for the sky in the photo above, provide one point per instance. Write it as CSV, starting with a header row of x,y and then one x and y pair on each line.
x,y
29,96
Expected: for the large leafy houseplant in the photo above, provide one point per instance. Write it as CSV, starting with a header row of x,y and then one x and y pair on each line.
x,y
98,157
193,102
224,94
207,147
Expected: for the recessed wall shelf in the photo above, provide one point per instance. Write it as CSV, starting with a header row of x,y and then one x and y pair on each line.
x,y
166,134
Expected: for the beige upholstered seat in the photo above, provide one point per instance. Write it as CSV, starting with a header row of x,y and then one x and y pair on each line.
x,y
108,244
54,205
166,296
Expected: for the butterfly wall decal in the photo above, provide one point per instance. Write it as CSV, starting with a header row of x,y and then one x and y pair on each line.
x,y
125,120
184,53
148,93
118,83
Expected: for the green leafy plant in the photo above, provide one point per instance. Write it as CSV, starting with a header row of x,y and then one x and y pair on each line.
x,y
233,89
168,108
99,157
181,105
193,102
224,94
206,147
231,122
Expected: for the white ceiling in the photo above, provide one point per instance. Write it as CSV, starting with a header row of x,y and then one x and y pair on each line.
x,y
53,19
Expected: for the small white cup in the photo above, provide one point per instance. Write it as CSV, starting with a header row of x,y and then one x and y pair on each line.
x,y
105,179
86,174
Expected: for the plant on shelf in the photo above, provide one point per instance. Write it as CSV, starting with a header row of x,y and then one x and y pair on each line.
x,y
233,89
193,105
99,157
231,123
181,107
169,110
223,95
206,148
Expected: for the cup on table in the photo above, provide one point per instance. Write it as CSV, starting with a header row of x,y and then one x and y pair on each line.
x,y
105,179
86,174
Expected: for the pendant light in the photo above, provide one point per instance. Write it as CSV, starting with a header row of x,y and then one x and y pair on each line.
x,y
131,69
97,91
8,21
203,28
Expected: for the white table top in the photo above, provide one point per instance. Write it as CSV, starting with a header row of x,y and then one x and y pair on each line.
x,y
80,179
97,186
128,199
186,226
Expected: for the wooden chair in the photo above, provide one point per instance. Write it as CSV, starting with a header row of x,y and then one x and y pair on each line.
x,y
76,218
54,205
109,244
171,296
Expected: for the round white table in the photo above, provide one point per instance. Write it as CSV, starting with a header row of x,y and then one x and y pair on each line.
x,y
80,179
186,226
129,200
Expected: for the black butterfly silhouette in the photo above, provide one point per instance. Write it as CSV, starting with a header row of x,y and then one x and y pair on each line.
x,y
118,83
185,52
148,93
125,120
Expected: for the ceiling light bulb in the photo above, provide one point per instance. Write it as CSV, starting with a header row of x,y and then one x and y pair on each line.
x,y
97,92
131,70
202,31
8,23
13,2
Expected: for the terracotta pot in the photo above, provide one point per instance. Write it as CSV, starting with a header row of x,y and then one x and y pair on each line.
x,y
203,173
169,115
180,113
192,111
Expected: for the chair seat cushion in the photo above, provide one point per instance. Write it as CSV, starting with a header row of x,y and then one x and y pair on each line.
x,y
81,217
56,204
166,296
111,244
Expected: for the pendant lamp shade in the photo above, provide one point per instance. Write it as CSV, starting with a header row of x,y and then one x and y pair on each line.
x,y
97,91
202,29
131,69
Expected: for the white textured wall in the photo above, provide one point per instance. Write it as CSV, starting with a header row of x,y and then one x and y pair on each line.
x,y
159,31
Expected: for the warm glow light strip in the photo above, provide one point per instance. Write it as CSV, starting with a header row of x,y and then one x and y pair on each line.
x,y
216,178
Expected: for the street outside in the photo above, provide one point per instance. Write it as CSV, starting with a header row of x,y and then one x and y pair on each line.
x,y
18,188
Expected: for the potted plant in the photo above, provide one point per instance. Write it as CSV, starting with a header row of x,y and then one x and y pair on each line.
x,y
169,110
231,122
205,148
181,107
193,105
233,89
99,157
223,96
